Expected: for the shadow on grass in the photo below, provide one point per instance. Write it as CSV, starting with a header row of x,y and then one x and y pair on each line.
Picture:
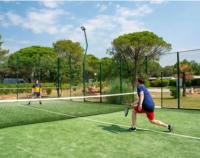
x,y
116,129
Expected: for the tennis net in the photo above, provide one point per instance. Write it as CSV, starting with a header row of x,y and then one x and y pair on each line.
x,y
18,112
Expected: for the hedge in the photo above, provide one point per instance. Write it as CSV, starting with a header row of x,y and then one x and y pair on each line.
x,y
157,83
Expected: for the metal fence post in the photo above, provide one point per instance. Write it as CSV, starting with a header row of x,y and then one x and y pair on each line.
x,y
70,75
178,75
120,78
58,77
184,84
100,80
17,76
161,90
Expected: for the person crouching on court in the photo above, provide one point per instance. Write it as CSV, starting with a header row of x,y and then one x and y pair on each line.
x,y
36,91
146,105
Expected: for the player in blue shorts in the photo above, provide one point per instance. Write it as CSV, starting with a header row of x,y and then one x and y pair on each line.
x,y
146,105
36,91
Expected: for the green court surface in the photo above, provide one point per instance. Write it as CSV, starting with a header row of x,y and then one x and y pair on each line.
x,y
105,136
19,113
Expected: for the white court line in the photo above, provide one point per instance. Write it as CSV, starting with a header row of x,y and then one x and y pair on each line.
x,y
110,123
174,134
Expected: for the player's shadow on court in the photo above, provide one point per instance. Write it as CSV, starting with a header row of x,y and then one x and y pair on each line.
x,y
116,129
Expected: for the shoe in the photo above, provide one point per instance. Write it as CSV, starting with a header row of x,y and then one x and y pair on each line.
x,y
126,110
170,128
40,102
29,103
132,129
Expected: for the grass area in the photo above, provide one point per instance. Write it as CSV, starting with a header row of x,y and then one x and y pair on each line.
x,y
188,102
19,113
88,137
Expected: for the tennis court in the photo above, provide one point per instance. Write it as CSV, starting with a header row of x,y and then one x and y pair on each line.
x,y
71,71
102,135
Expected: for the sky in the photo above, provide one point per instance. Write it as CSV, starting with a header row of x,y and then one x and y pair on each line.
x,y
27,23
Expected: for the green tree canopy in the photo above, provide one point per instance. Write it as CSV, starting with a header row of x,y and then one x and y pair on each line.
x,y
109,68
154,68
67,47
92,65
185,66
169,71
70,53
135,46
32,62
195,67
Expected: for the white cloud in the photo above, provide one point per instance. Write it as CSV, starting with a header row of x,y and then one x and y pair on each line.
x,y
44,21
100,22
140,11
47,20
117,6
2,18
131,26
102,29
3,21
14,18
102,7
157,1
51,4
121,22
39,21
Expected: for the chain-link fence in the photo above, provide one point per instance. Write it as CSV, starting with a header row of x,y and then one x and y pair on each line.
x,y
63,77
174,81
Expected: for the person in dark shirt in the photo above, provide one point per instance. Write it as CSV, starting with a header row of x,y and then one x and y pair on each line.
x,y
145,104
36,91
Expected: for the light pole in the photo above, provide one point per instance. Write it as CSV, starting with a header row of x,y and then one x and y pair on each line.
x,y
84,59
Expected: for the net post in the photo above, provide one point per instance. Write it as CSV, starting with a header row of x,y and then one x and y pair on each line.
x,y
178,75
161,99
100,80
